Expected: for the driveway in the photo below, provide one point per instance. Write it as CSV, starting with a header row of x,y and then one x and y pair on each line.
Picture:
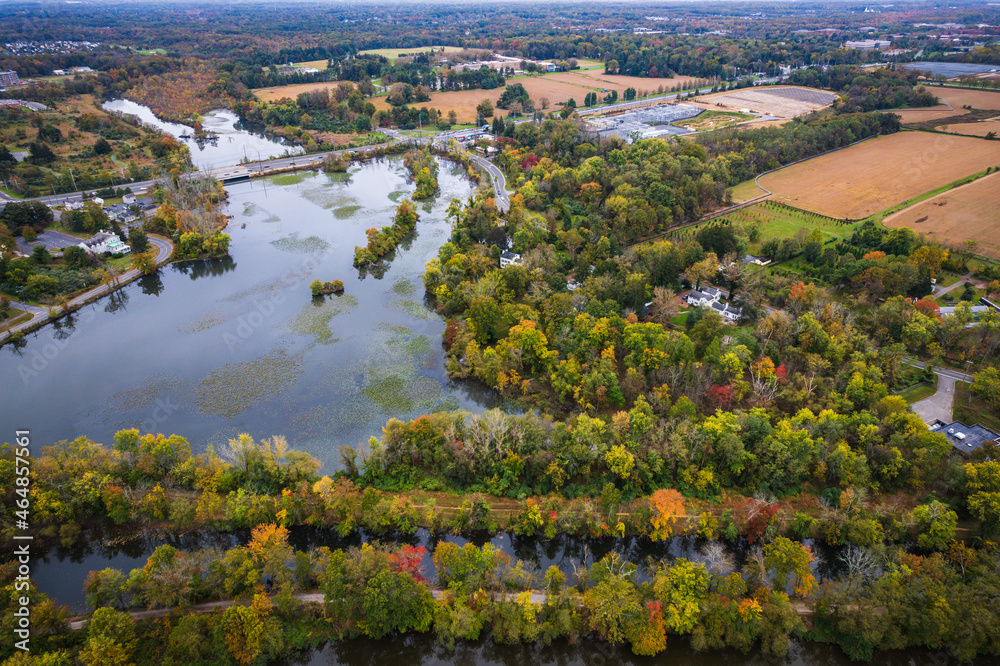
x,y
938,406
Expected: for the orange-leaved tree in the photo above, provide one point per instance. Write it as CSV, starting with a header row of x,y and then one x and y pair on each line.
x,y
667,504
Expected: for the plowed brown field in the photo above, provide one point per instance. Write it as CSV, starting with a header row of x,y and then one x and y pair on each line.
x,y
879,173
966,212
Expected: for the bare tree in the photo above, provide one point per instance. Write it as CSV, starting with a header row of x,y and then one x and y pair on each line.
x,y
665,305
716,559
861,565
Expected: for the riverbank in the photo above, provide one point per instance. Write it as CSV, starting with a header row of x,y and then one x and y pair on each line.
x,y
42,316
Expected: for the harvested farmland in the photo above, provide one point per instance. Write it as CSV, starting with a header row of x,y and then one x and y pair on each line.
x,y
869,177
981,128
785,102
950,218
463,102
957,98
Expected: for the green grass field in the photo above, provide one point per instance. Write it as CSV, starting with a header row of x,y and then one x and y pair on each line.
x,y
919,392
746,191
393,54
776,221
707,121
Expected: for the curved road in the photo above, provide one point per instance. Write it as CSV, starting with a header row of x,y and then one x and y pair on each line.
x,y
164,248
500,196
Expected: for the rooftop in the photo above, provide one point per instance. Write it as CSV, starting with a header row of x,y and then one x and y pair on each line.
x,y
964,438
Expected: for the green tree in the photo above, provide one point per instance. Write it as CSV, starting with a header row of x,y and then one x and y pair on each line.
x,y
111,639
787,559
614,606
682,587
40,153
986,384
395,602
983,493
935,525
138,240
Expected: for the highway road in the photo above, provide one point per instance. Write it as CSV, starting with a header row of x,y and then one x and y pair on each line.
x,y
302,161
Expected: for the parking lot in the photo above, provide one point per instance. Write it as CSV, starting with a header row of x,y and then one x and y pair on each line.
x,y
53,240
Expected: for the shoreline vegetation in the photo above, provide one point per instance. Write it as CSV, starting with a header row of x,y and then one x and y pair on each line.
x,y
714,438
380,588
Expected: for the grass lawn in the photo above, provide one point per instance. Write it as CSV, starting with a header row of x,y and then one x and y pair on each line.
x,y
679,319
972,410
589,64
393,54
776,221
947,279
713,120
919,392
745,191
15,317
64,230
121,264
159,52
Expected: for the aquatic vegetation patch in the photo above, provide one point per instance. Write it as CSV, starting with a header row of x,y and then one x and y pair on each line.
x,y
396,329
287,179
206,321
250,209
346,212
402,286
329,197
314,319
390,394
301,245
412,308
231,389
141,396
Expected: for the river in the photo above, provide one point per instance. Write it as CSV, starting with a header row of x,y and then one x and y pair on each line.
x,y
209,350
229,146
60,571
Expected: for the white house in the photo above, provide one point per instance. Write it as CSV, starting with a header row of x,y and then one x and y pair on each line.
x,y
728,312
750,259
711,297
706,296
509,259
104,241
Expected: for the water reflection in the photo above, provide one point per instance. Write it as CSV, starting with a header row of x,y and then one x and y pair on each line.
x,y
206,267
116,301
151,285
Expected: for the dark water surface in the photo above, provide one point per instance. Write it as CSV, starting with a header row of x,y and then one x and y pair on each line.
x,y
209,350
